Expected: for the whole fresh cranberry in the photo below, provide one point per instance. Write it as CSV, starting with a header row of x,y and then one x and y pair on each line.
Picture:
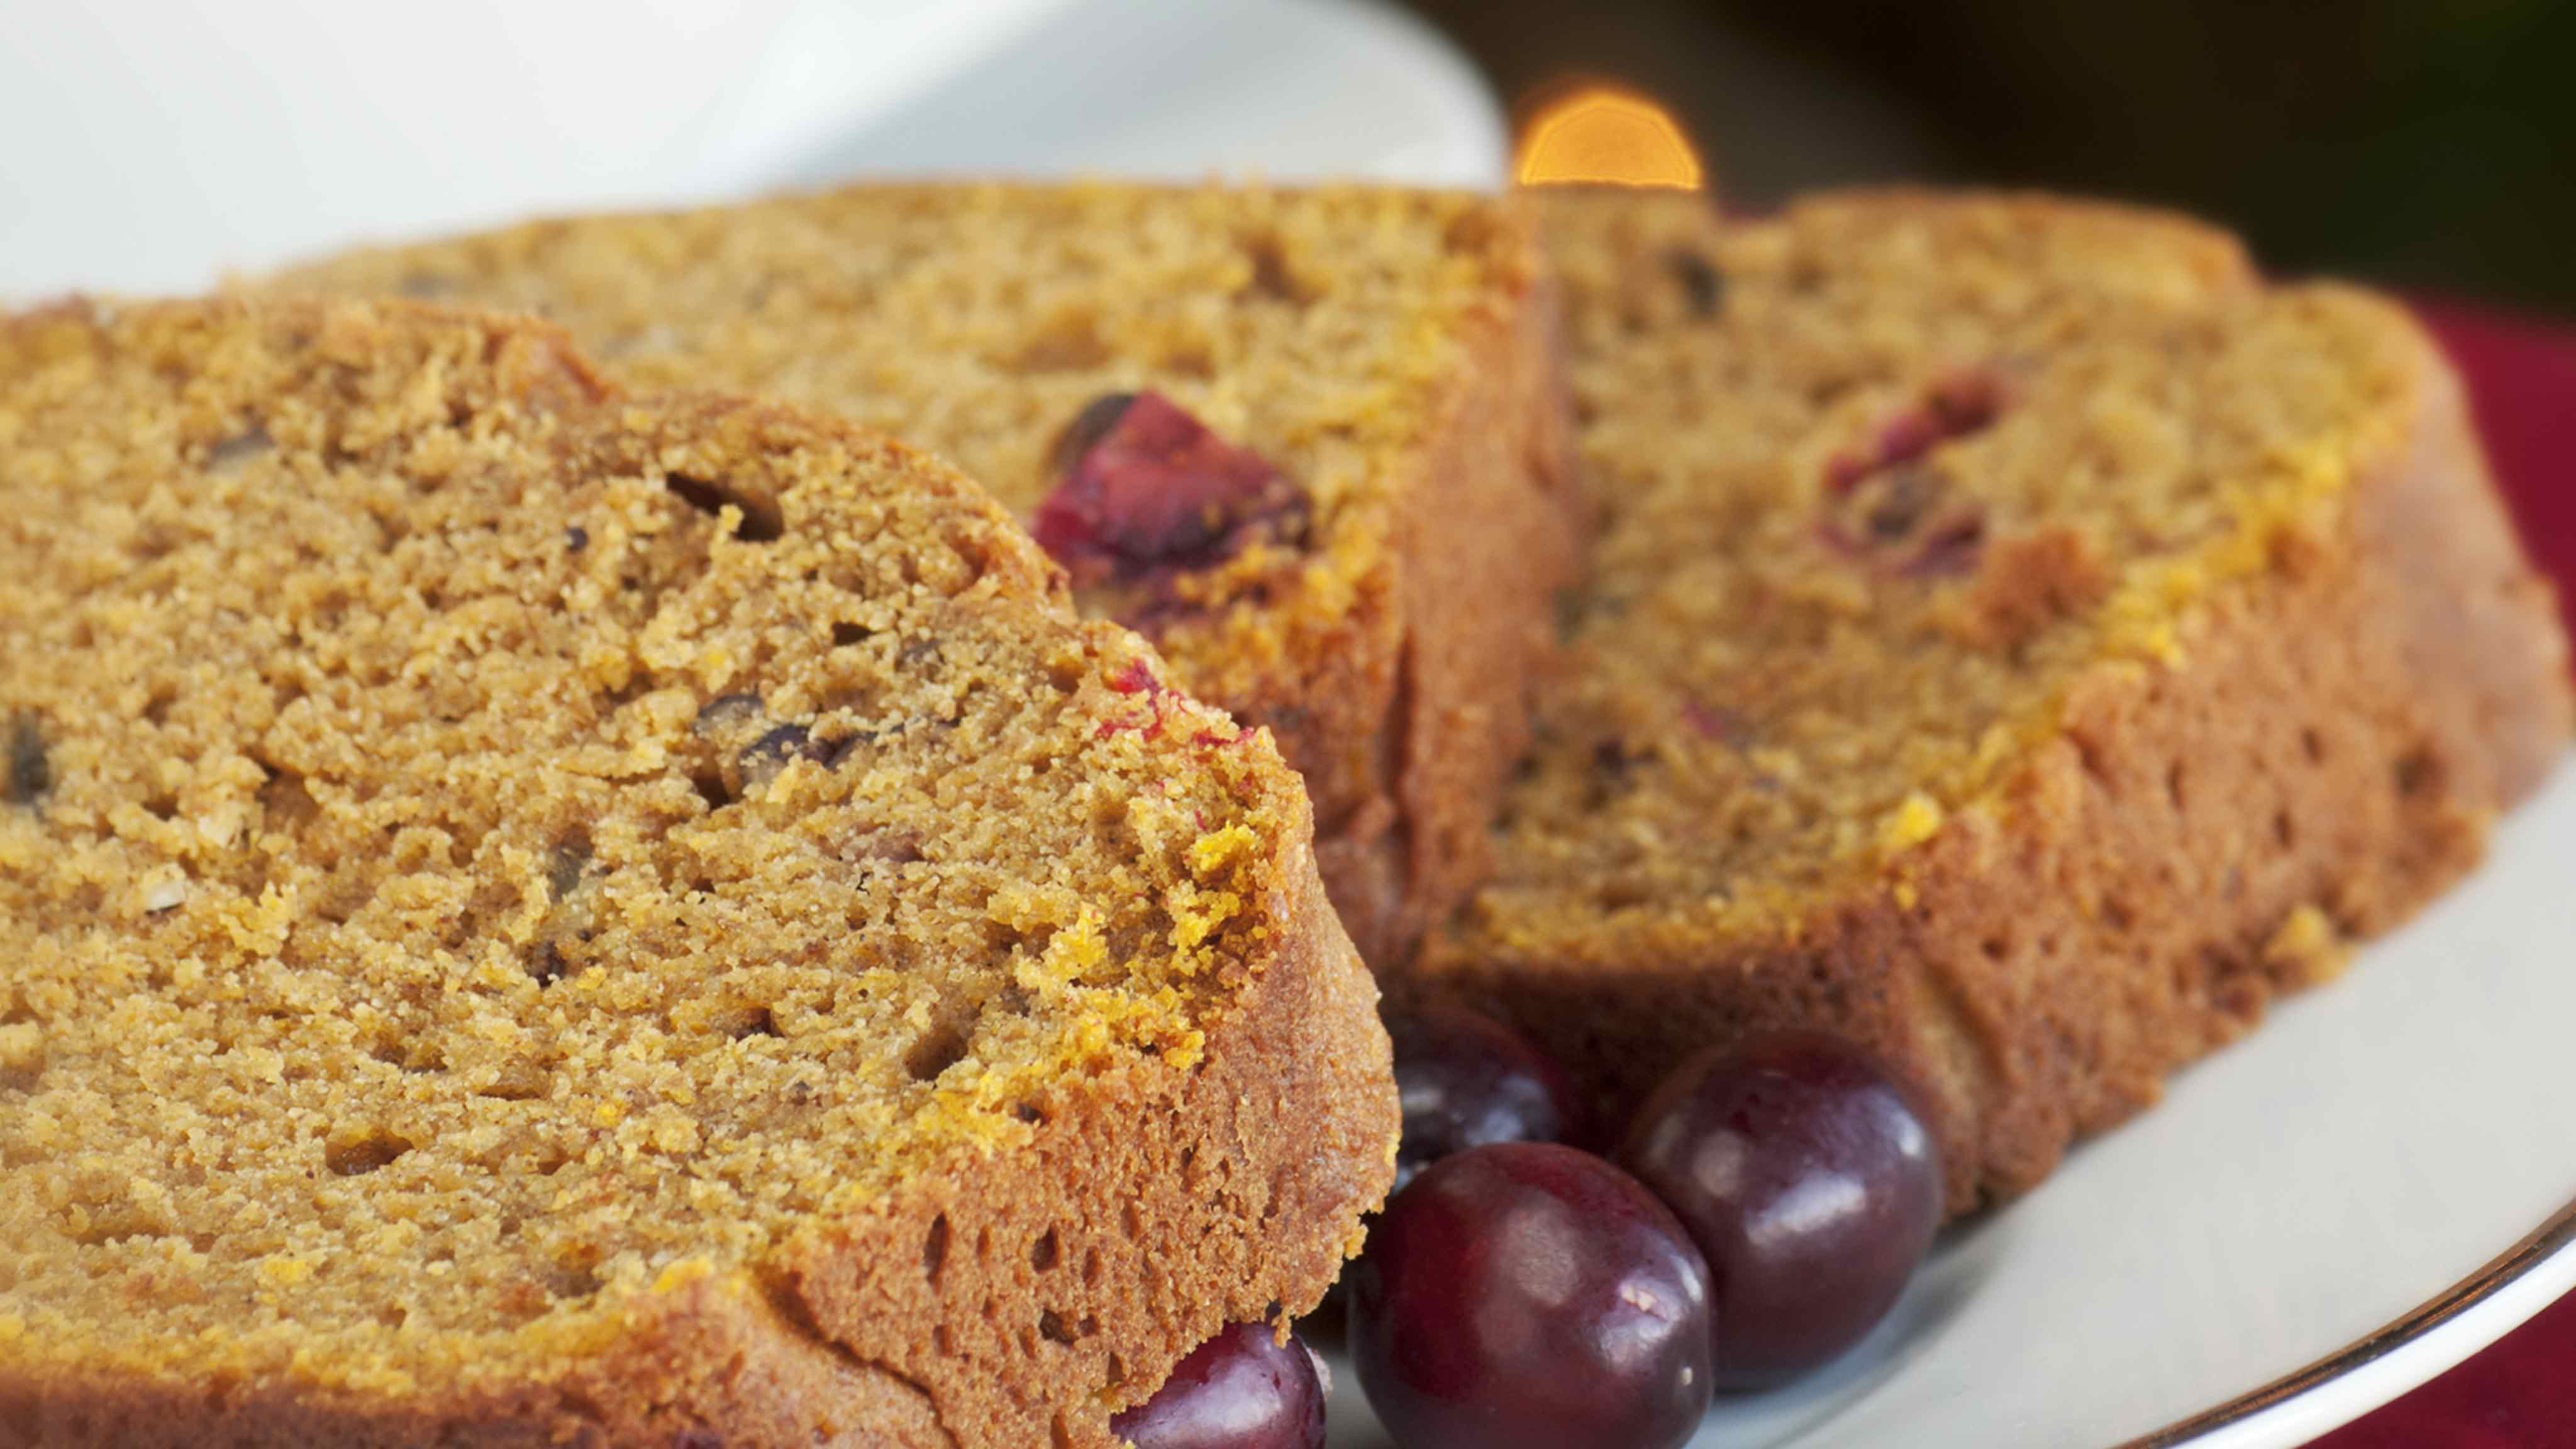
x,y
1465,1080
1811,1185
1242,1389
1525,1295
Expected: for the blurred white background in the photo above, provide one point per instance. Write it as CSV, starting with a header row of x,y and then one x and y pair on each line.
x,y
152,145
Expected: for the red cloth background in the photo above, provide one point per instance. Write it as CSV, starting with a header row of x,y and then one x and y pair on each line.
x,y
2521,1393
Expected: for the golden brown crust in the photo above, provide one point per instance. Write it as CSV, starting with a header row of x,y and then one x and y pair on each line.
x,y
1489,533
2324,759
1163,1211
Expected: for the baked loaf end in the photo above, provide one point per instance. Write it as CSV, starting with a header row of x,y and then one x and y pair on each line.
x,y
2018,638
1387,351
534,915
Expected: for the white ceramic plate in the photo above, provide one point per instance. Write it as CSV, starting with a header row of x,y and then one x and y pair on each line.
x,y
2371,1187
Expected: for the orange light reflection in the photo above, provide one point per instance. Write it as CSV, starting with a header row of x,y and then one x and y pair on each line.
x,y
1604,134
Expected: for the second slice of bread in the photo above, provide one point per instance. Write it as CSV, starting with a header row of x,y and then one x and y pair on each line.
x,y
2019,638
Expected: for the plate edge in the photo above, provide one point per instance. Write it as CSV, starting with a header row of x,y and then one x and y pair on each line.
x,y
2552,1237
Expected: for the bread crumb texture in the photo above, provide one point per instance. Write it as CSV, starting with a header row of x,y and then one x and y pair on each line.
x,y
482,852
2008,634
1780,683
1328,331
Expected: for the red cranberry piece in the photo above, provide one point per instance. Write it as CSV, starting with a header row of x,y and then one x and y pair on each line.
x,y
1466,1079
1950,551
1953,407
1810,1182
1908,436
1144,488
1966,401
1242,1389
1524,1295
1901,518
1086,430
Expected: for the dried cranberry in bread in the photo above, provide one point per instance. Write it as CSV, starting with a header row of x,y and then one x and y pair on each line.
x,y
535,915
1360,508
2019,639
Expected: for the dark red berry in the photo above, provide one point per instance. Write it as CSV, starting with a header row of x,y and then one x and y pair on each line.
x,y
1525,1295
1949,551
1903,518
1908,436
1242,1389
1953,407
1144,490
1968,400
1809,1182
1466,1079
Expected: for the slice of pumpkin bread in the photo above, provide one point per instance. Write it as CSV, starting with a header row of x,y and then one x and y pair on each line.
x,y
1340,504
535,915
2019,639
